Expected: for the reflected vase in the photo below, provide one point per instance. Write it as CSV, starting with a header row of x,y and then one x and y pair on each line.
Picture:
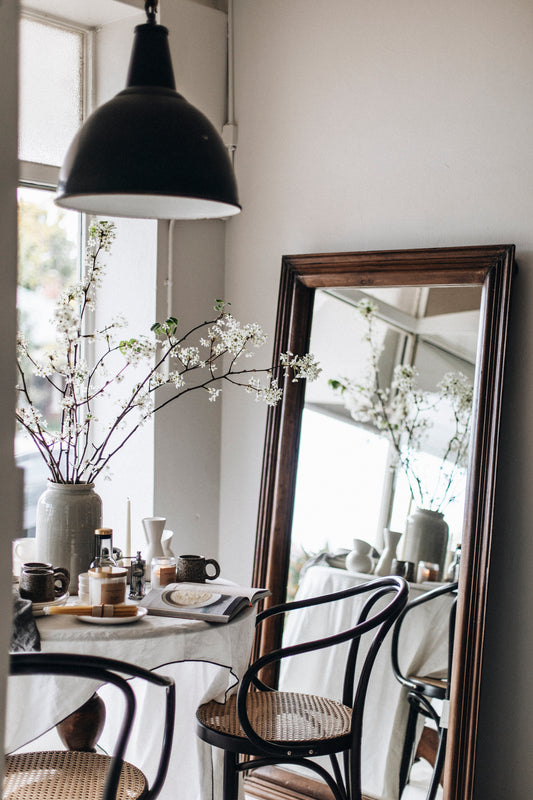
x,y
426,538
360,560
67,516
392,538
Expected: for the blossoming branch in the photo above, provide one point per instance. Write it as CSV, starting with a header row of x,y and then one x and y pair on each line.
x,y
86,364
405,414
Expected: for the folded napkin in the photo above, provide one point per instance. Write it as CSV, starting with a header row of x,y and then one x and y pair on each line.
x,y
24,633
337,559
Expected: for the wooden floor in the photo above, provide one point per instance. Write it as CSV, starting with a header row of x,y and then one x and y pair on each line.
x,y
416,789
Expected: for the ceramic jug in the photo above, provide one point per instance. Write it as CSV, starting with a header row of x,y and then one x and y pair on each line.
x,y
153,531
166,543
359,560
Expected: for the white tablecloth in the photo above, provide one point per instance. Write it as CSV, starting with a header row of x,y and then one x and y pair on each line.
x,y
174,647
423,650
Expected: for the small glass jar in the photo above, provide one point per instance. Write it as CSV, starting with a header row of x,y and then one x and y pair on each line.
x,y
107,585
163,571
103,549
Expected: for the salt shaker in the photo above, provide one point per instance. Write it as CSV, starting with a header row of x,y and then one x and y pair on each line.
x,y
137,578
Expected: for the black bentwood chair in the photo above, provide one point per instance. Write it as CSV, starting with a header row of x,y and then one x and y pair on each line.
x,y
422,690
277,727
65,775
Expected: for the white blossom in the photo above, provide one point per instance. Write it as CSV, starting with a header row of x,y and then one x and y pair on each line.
x,y
157,379
189,356
176,379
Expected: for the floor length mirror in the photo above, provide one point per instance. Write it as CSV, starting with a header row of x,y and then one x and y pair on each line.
x,y
399,432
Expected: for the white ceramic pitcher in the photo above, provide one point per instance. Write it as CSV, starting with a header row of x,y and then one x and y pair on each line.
x,y
153,531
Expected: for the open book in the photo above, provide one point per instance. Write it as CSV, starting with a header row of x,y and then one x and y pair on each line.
x,y
210,602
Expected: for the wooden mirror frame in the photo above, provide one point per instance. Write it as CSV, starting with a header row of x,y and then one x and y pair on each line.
x,y
489,267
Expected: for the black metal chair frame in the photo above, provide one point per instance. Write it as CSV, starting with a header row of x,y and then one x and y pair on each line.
x,y
109,670
421,693
345,785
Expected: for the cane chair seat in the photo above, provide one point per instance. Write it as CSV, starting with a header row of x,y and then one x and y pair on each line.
x,y
286,717
52,775
78,775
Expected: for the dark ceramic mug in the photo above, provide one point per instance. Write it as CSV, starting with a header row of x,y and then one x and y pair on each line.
x,y
41,583
194,569
404,568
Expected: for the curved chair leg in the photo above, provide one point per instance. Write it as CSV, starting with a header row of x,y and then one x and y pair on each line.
x,y
439,765
230,789
408,746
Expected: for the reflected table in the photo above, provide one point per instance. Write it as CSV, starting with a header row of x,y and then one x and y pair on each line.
x,y
205,659
424,650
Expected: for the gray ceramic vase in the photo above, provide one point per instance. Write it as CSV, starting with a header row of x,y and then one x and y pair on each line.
x,y
67,516
426,538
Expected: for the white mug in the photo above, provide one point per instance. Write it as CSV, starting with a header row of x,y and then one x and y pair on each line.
x,y
24,550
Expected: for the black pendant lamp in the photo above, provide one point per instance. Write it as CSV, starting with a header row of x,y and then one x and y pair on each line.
x,y
148,153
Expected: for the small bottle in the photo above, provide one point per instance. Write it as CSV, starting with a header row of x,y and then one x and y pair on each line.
x,y
137,578
453,569
103,549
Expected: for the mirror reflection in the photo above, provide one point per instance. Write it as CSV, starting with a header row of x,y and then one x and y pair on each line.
x,y
385,433
379,440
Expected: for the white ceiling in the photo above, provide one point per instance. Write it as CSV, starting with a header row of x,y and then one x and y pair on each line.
x,y
98,12
86,12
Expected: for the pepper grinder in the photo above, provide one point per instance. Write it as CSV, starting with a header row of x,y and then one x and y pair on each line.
x,y
137,578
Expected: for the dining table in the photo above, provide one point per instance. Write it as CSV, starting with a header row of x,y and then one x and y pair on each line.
x,y
205,659
423,651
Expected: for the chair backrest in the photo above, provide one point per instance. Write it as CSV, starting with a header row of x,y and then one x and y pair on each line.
x,y
368,620
427,597
112,671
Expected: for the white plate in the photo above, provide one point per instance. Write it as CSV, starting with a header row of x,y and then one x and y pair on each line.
x,y
37,608
166,597
141,612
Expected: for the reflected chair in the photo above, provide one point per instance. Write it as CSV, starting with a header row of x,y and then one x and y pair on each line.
x,y
66,775
276,727
422,690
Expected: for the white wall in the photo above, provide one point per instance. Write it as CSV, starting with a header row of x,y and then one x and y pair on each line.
x,y
129,288
187,433
10,497
383,124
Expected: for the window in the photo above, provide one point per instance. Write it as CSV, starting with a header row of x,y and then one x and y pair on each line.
x,y
51,107
51,89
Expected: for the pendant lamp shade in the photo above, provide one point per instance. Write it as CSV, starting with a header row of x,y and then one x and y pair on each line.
x,y
148,153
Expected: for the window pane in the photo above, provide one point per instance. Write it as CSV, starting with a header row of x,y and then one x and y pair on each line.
x,y
341,469
50,101
49,259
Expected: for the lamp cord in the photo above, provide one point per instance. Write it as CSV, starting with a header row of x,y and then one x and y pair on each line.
x,y
151,10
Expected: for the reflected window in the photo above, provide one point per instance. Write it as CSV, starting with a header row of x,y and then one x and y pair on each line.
x,y
341,470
